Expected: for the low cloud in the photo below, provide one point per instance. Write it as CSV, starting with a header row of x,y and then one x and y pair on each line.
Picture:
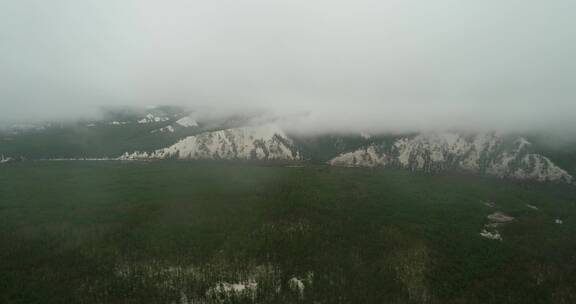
x,y
337,65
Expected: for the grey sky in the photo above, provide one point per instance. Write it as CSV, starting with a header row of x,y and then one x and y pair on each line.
x,y
396,64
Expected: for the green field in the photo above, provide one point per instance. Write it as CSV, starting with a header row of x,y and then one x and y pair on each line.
x,y
169,232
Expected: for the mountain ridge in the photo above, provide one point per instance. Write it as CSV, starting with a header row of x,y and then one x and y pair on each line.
x,y
246,143
485,154
157,133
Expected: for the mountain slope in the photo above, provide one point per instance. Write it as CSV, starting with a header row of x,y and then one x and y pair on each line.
x,y
249,143
182,133
488,154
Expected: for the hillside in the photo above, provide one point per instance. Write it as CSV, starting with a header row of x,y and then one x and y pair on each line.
x,y
248,143
488,154
180,133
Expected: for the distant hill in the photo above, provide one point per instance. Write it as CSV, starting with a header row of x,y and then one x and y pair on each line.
x,y
181,133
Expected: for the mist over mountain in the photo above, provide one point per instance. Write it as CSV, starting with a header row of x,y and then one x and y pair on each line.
x,y
180,133
321,81
394,66
287,151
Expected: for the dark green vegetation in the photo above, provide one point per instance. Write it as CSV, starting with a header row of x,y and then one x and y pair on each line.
x,y
322,148
102,138
168,232
563,154
99,138
80,141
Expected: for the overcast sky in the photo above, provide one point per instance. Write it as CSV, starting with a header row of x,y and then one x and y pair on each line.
x,y
387,64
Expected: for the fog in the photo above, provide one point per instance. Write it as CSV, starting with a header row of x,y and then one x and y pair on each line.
x,y
397,65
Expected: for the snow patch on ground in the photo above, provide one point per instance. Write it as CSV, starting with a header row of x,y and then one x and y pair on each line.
x,y
4,159
499,217
491,235
296,285
150,118
489,204
187,122
225,291
495,221
221,287
169,129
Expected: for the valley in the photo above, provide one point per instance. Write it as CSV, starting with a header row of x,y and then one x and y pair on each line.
x,y
233,232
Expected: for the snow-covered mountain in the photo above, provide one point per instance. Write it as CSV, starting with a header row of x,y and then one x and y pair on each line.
x,y
177,132
266,142
488,154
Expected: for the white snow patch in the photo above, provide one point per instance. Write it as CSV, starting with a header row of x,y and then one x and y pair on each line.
x,y
491,235
4,159
496,220
169,129
490,204
187,122
297,286
241,290
150,118
500,217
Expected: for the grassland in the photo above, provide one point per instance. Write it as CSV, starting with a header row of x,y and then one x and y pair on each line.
x,y
171,232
